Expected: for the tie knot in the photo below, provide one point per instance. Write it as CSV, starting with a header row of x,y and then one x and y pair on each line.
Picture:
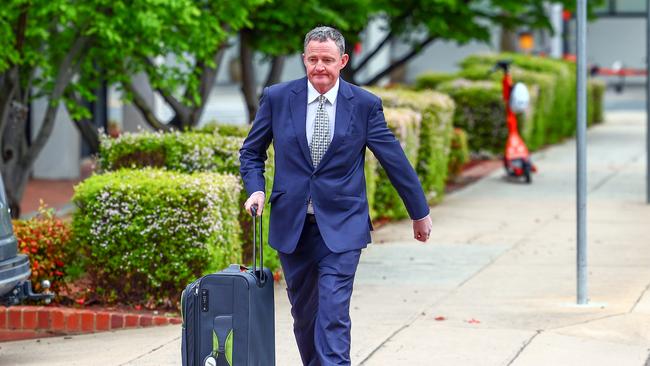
x,y
321,99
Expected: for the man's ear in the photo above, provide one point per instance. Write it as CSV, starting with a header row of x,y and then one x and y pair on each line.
x,y
344,60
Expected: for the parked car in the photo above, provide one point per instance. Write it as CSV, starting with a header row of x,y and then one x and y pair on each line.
x,y
15,286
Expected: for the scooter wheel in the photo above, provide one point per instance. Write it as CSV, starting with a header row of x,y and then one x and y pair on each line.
x,y
527,173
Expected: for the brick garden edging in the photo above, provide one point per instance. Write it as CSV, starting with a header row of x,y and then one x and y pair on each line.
x,y
61,321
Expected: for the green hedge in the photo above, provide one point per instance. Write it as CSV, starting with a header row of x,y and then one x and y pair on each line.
x,y
213,148
553,100
225,129
480,112
405,124
144,234
459,154
185,152
437,112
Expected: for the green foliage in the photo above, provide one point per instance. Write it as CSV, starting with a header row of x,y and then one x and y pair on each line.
x,y
459,153
551,116
480,112
144,234
187,152
225,129
405,124
180,151
45,240
597,93
279,27
557,96
436,111
432,80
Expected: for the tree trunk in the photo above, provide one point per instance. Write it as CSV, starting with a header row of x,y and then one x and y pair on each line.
x,y
14,146
248,75
17,157
508,40
275,73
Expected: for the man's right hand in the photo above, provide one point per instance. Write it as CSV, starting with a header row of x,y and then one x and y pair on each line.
x,y
257,198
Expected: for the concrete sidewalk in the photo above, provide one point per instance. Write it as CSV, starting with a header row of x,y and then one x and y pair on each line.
x,y
495,286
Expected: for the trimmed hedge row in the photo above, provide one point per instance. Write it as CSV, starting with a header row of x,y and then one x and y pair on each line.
x,y
144,234
148,232
437,112
187,152
481,112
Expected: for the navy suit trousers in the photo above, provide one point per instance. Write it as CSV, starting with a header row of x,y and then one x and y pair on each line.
x,y
319,285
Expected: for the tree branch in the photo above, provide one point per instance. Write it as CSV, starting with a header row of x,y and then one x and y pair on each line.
x,y
248,74
181,110
85,126
277,64
372,54
68,67
208,78
404,59
144,108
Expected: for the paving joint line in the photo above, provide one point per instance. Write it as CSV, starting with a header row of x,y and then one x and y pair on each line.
x,y
613,174
638,300
524,346
423,313
150,352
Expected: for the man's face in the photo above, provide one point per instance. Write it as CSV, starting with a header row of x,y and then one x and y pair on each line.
x,y
323,63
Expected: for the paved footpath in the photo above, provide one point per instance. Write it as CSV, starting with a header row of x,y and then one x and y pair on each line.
x,y
495,286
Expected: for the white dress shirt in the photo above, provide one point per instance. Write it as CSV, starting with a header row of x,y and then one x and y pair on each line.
x,y
312,107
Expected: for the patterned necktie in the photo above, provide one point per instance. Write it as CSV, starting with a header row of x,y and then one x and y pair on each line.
x,y
320,139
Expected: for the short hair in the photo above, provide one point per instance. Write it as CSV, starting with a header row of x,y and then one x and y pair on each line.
x,y
322,34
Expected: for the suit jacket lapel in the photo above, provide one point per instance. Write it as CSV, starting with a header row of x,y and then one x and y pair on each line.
x,y
298,107
344,109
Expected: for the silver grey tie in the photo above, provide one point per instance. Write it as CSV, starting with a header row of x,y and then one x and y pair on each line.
x,y
320,138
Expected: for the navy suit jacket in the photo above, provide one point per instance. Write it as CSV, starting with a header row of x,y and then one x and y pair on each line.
x,y
337,186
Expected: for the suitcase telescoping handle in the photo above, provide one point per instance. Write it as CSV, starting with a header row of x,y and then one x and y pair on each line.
x,y
260,277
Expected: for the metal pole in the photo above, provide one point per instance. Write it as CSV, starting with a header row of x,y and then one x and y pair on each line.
x,y
581,16
647,104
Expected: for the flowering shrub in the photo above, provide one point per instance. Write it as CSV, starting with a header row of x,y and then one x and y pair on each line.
x,y
144,234
44,239
215,148
186,152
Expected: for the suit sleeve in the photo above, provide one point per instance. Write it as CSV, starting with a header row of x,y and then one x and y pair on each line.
x,y
252,155
392,158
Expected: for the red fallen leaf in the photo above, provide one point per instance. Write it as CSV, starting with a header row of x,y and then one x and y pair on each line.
x,y
277,276
474,321
440,318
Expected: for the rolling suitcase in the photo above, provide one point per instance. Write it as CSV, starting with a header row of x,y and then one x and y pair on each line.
x,y
228,317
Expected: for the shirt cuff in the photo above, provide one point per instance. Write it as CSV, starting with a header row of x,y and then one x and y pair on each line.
x,y
262,192
427,215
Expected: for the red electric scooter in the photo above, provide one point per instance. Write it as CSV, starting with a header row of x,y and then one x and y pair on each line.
x,y
516,158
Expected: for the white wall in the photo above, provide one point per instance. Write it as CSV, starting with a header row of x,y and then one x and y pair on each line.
x,y
61,155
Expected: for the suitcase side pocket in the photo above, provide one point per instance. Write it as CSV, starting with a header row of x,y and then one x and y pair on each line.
x,y
222,340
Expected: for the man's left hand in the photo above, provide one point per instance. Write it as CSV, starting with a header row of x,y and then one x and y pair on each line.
x,y
422,228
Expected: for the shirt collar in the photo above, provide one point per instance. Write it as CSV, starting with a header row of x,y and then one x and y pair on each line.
x,y
331,94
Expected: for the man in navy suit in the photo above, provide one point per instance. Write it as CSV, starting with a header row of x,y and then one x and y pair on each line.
x,y
320,127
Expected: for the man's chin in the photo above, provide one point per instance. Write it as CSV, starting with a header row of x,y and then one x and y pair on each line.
x,y
321,82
